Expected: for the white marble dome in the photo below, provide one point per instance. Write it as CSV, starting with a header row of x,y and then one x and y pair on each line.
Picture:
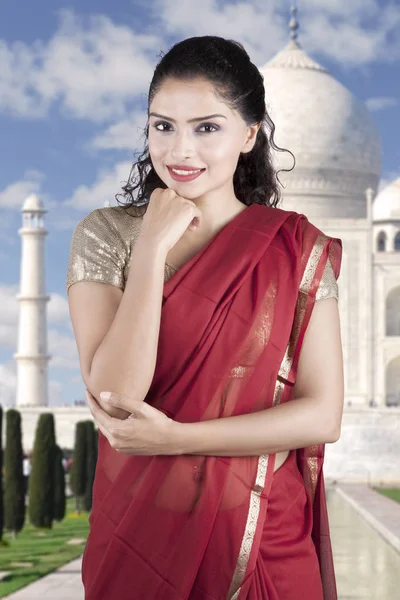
x,y
331,133
33,204
386,205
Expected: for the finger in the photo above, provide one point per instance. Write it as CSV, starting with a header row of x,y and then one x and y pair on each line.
x,y
95,412
100,415
91,403
104,432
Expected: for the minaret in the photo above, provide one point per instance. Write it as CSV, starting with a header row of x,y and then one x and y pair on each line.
x,y
31,356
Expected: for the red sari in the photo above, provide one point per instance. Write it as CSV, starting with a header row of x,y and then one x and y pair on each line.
x,y
215,527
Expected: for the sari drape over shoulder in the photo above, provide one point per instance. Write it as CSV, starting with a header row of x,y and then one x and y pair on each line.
x,y
232,325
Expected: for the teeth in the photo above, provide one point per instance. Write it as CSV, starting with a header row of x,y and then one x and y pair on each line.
x,y
185,172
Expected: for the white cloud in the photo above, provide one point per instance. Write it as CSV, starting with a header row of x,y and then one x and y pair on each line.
x,y
381,103
63,350
57,311
61,223
8,336
241,21
7,233
14,195
86,198
353,34
55,392
8,316
18,68
127,134
342,8
57,307
96,69
91,66
8,387
8,383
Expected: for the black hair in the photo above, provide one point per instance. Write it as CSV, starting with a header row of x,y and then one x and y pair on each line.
x,y
237,82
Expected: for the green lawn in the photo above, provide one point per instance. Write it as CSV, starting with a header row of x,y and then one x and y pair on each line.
x,y
47,551
393,493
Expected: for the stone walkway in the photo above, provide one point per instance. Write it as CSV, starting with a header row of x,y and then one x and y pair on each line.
x,y
380,512
362,523
63,584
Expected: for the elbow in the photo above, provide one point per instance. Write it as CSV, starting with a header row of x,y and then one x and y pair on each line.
x,y
87,380
95,390
332,420
334,436
333,431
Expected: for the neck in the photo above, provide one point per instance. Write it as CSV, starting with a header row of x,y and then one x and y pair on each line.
x,y
213,220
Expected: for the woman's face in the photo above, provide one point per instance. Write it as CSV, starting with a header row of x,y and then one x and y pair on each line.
x,y
182,137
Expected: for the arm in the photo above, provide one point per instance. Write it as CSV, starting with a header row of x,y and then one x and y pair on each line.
x,y
312,417
126,358
116,331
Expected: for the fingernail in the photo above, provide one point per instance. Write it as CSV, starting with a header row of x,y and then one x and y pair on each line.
x,y
105,395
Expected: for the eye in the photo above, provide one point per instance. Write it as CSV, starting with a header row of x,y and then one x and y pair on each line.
x,y
214,127
160,123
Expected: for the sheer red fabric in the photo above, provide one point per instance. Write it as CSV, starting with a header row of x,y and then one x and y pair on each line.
x,y
287,565
232,324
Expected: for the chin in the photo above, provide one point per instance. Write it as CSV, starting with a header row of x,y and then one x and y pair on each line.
x,y
186,193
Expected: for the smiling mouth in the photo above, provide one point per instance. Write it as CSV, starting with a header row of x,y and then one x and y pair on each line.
x,y
183,175
185,171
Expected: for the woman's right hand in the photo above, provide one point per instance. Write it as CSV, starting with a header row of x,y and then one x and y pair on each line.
x,y
168,216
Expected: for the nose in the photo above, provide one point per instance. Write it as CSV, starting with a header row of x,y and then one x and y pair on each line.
x,y
181,146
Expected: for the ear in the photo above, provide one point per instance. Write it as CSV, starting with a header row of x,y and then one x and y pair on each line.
x,y
252,132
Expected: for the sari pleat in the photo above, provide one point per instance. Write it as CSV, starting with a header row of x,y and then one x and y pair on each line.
x,y
207,527
287,561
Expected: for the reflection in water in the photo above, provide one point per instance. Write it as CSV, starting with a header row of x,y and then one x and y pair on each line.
x,y
366,566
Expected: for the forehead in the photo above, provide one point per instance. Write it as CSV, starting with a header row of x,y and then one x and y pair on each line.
x,y
188,98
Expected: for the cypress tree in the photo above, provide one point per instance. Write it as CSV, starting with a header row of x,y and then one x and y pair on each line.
x,y
71,474
59,486
41,485
14,496
79,467
91,454
1,474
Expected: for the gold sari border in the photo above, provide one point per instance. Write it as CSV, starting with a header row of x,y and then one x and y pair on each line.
x,y
264,463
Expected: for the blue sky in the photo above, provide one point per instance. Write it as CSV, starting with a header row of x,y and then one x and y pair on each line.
x,y
73,82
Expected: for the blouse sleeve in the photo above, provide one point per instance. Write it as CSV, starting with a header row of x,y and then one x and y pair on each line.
x,y
97,252
328,286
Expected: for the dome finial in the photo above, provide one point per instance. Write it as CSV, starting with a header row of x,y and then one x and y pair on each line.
x,y
294,24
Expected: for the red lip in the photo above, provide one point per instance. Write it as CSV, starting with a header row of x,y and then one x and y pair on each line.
x,y
185,178
184,168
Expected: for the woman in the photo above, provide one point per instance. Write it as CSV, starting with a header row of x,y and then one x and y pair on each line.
x,y
209,481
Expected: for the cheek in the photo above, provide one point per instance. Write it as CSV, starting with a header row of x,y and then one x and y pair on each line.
x,y
158,146
157,155
224,154
155,150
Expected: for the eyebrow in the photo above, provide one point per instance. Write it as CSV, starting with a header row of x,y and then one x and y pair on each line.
x,y
153,114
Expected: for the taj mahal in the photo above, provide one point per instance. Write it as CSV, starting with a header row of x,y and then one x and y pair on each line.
x,y
334,183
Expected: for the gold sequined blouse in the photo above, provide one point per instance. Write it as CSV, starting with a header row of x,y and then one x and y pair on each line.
x,y
102,244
